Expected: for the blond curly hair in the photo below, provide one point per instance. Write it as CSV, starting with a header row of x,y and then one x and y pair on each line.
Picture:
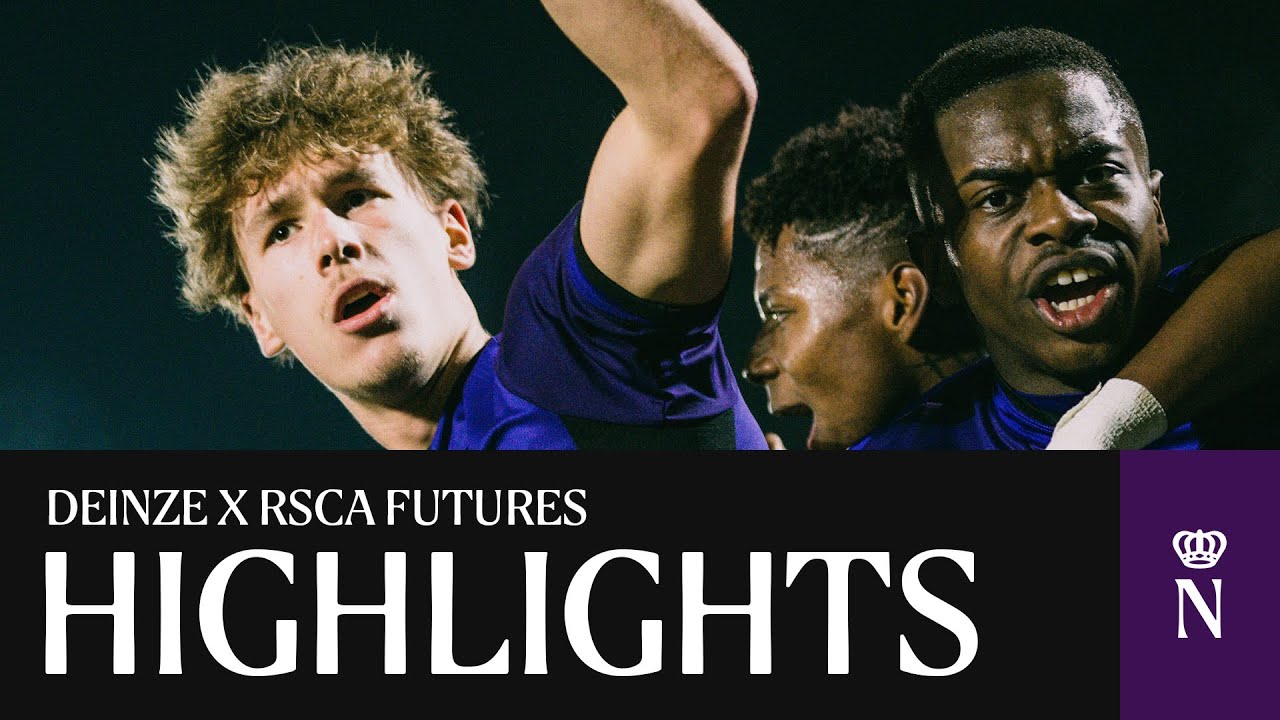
x,y
245,129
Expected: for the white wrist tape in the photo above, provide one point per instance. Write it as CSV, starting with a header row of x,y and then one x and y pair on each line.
x,y
1117,415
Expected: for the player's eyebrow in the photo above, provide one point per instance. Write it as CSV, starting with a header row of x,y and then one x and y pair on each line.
x,y
284,203
1090,148
276,208
352,176
994,173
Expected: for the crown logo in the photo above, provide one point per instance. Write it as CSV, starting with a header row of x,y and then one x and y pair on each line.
x,y
1199,550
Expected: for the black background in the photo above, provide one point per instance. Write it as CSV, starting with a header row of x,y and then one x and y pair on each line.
x,y
1043,597
97,352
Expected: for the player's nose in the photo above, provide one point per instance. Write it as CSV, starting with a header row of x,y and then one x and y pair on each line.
x,y
336,241
1056,216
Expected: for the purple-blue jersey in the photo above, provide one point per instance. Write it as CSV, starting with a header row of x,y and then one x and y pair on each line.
x,y
582,363
976,410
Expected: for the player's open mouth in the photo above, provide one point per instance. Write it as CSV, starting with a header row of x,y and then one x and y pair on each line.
x,y
800,410
794,410
1073,299
360,305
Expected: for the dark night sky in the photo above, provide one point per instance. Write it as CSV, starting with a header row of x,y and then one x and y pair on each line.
x,y
98,353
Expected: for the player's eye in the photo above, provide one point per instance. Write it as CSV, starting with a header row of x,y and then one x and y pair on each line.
x,y
1099,174
995,200
281,233
356,198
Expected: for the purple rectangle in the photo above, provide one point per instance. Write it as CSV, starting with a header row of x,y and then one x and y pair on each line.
x,y
1199,676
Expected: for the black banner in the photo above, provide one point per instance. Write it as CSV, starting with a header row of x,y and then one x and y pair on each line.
x,y
969,581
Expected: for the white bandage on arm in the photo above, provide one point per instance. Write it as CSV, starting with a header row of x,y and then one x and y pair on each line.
x,y
1117,415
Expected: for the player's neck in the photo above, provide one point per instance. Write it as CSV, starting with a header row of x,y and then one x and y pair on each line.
x,y
1037,382
929,369
411,422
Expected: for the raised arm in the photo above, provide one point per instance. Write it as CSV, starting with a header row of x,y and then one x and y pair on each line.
x,y
1221,341
657,217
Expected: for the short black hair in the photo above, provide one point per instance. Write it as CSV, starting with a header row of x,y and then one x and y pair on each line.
x,y
982,62
842,186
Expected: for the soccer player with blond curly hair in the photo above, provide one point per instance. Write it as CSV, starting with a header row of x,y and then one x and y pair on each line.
x,y
323,198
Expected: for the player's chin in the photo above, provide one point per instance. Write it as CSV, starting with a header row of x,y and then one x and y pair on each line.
x,y
1083,363
823,438
382,365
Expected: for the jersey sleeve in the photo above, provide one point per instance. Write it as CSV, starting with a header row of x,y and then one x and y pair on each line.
x,y
578,344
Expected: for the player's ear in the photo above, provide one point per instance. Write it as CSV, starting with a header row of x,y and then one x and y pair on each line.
x,y
462,245
269,343
1161,228
908,294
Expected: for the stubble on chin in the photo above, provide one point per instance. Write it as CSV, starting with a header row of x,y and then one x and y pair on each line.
x,y
396,381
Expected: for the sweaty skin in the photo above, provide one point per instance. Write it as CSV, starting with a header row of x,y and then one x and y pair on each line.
x,y
354,270
1060,226
835,345
348,226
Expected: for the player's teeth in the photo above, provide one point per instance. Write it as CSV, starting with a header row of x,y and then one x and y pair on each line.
x,y
1074,275
1073,304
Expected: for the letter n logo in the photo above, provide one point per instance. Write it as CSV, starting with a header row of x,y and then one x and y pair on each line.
x,y
1188,589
